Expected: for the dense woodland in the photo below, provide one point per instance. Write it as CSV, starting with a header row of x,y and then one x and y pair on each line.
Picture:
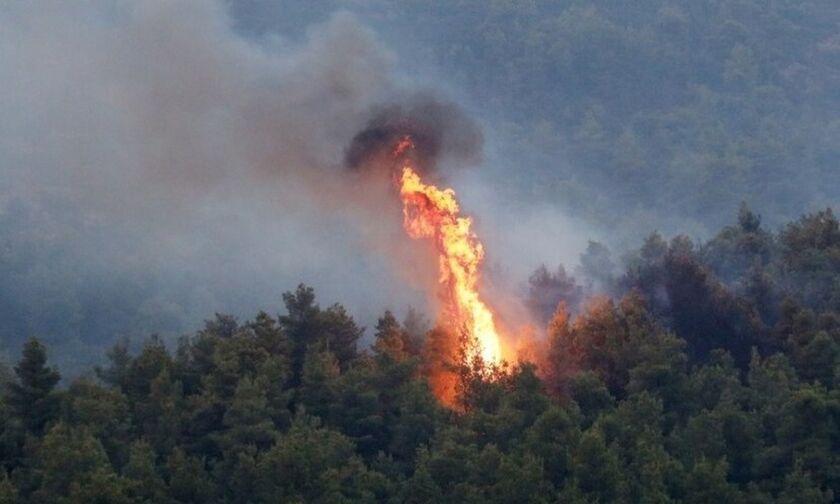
x,y
709,374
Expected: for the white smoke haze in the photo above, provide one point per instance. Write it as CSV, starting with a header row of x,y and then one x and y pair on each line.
x,y
212,163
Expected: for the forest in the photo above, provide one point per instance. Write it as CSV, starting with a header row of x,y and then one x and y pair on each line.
x,y
709,373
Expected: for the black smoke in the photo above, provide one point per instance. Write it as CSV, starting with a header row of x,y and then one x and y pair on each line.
x,y
438,128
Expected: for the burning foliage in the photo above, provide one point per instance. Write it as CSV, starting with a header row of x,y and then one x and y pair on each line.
x,y
432,213
405,142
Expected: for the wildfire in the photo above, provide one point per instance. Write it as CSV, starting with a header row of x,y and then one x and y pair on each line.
x,y
433,213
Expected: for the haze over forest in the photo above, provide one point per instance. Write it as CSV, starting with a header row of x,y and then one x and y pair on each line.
x,y
129,204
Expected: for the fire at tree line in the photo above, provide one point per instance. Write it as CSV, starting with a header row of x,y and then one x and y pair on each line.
x,y
702,372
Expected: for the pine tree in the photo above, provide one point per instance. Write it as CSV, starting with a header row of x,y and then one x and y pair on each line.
x,y
317,391
8,491
800,487
188,479
391,340
597,468
144,482
707,483
269,335
31,398
313,461
6,377
306,324
70,463
415,326
248,420
119,359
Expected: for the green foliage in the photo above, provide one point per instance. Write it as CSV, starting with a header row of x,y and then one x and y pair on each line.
x,y
800,487
8,491
104,412
810,250
187,478
706,482
71,466
144,482
597,470
31,397
6,377
248,420
311,463
307,325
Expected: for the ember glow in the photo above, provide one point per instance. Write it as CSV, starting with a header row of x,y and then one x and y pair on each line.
x,y
433,213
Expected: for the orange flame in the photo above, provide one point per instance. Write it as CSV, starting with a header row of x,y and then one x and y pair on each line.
x,y
433,213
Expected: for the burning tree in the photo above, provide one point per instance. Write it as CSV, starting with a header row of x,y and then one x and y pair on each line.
x,y
433,213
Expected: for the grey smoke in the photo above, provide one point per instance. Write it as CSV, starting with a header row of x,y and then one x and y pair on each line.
x,y
150,138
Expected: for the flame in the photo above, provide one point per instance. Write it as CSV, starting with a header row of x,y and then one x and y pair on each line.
x,y
433,213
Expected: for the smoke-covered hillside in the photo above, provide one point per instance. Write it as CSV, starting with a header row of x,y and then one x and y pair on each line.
x,y
665,112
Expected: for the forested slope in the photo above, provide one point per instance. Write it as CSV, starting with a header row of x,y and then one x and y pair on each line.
x,y
709,375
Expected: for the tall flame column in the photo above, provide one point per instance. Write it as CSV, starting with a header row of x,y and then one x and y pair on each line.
x,y
433,213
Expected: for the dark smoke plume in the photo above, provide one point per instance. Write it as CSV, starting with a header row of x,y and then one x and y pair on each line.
x,y
439,129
